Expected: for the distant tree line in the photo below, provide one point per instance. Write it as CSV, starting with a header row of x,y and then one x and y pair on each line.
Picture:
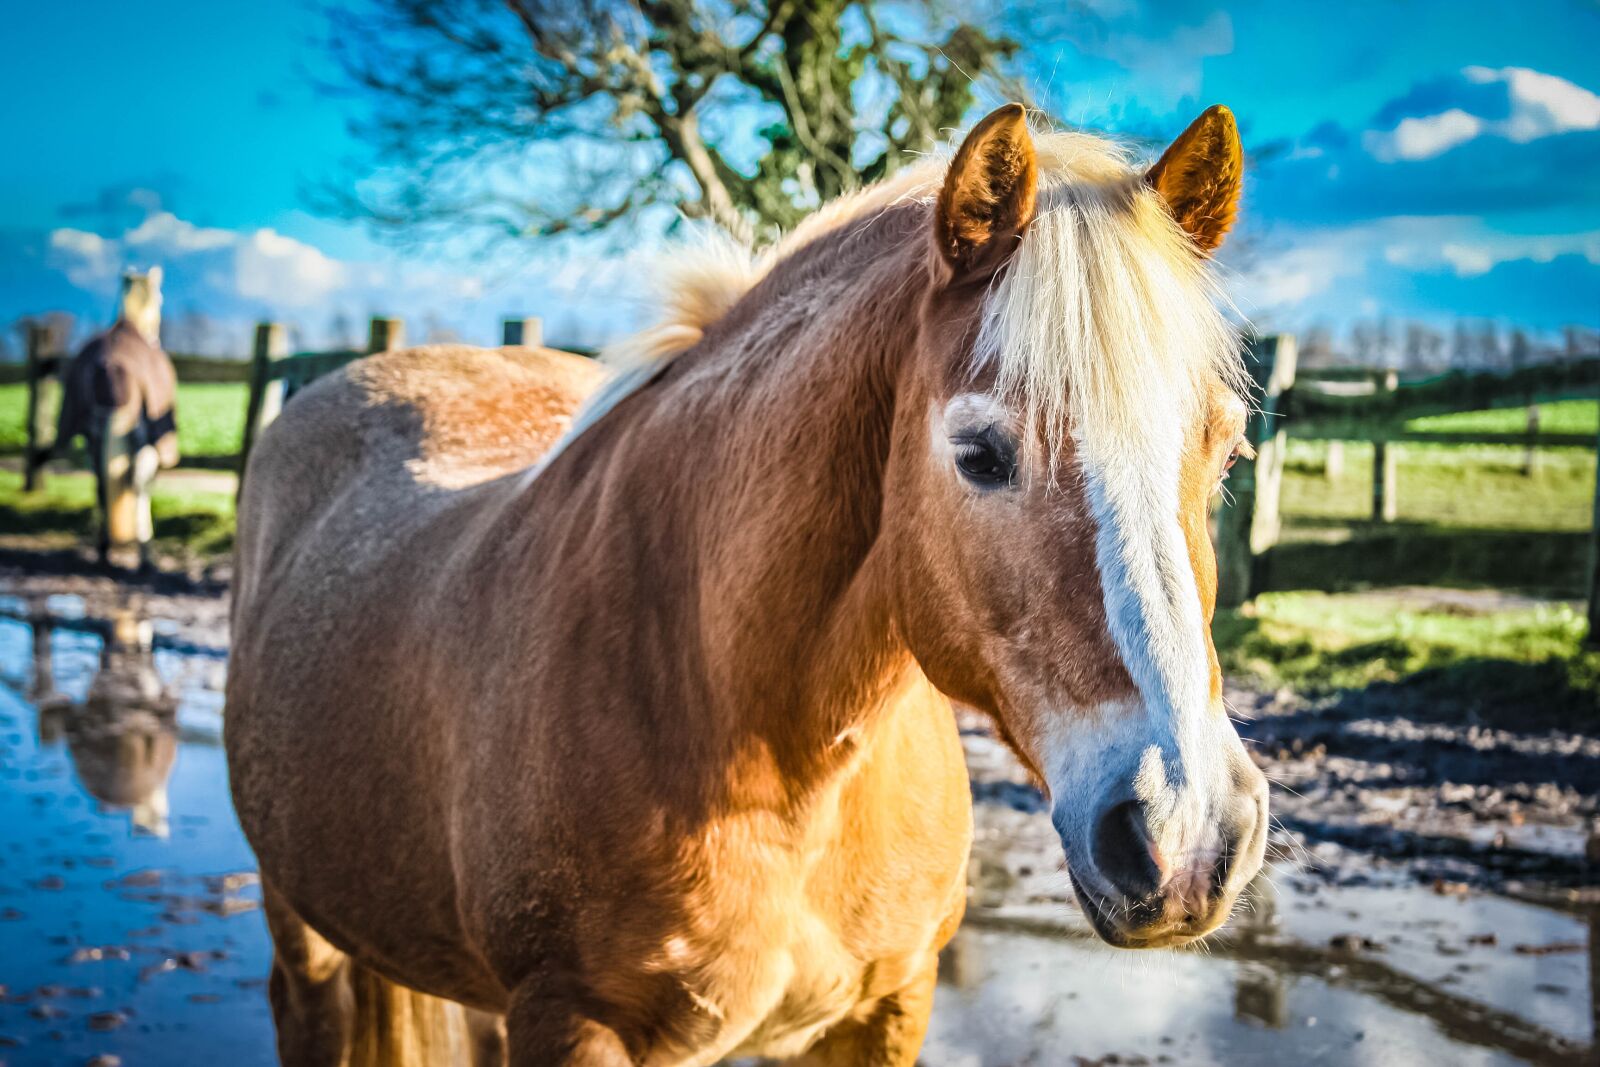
x,y
1407,346
1412,347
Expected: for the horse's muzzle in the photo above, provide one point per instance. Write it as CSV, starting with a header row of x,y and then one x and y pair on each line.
x,y
1137,897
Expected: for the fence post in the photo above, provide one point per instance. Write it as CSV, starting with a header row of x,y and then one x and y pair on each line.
x,y
1530,455
44,392
385,335
1248,523
529,332
1333,461
1594,557
1385,456
266,386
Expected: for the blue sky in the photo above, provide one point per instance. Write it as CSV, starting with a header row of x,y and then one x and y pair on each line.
x,y
1417,159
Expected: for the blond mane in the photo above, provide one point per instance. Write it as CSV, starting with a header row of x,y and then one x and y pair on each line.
x,y
1105,305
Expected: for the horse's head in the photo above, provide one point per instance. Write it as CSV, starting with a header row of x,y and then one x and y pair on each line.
x,y
1073,406
141,301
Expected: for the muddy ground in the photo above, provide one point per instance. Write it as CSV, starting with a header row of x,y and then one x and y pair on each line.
x,y
1431,896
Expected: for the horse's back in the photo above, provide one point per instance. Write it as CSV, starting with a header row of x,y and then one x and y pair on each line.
x,y
361,502
376,448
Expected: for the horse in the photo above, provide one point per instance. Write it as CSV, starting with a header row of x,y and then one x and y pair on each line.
x,y
119,393
123,736
593,721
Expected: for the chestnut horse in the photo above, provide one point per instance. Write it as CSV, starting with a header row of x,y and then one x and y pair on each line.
x,y
630,732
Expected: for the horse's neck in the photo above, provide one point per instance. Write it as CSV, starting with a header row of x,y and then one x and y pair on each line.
x,y
778,427
143,318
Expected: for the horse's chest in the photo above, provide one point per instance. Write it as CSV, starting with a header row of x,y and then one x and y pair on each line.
x,y
779,1001
792,963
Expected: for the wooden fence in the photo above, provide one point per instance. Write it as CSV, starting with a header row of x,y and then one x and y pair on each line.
x,y
1368,405
273,374
1335,406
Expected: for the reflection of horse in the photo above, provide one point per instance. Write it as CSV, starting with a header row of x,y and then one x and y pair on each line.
x,y
119,392
123,737
642,740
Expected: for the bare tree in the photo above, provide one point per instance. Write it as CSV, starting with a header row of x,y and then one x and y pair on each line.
x,y
519,118
1520,352
61,331
193,333
1317,350
1424,348
341,332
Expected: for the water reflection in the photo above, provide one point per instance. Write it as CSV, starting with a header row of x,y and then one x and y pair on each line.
x,y
129,921
101,720
1260,992
123,735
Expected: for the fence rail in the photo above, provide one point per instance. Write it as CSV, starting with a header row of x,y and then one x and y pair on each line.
x,y
1336,405
1354,404
272,373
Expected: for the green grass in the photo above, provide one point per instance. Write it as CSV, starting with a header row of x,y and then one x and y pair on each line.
x,y
1468,516
1518,665
187,520
1479,487
1568,416
210,419
13,419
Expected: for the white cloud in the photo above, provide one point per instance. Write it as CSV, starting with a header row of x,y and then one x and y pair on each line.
x,y
1171,65
1281,280
281,271
1467,259
1469,248
164,230
233,278
1541,104
1538,105
1423,138
88,260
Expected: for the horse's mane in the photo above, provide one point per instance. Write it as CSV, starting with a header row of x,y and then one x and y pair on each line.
x,y
1106,292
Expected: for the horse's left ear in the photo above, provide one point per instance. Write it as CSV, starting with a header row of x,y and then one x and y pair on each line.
x,y
988,195
154,277
1200,176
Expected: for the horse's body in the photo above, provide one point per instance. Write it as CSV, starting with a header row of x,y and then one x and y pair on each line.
x,y
119,394
638,741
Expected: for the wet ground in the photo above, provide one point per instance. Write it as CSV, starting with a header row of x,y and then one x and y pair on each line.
x,y
1429,902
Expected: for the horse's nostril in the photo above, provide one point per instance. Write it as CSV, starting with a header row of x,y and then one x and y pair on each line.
x,y
1237,843
1123,852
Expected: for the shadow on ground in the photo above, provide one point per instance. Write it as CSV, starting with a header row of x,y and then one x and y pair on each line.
x,y
1334,556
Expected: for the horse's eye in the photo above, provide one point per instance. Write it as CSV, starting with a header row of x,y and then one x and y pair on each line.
x,y
984,461
1241,447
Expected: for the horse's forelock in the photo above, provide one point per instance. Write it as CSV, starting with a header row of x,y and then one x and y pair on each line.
x,y
1106,318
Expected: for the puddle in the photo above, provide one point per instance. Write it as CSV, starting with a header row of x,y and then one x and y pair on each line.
x,y
1304,974
128,910
130,922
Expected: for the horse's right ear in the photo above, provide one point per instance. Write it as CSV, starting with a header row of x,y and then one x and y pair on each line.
x,y
988,196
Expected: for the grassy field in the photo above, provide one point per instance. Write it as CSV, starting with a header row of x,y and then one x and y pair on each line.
x,y
1513,663
1468,516
1570,416
187,521
210,419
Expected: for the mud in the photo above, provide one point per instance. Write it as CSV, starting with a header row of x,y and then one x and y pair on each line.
x,y
1429,898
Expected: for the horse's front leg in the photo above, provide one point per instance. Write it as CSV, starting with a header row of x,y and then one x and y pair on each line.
x,y
102,497
542,1031
889,1035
